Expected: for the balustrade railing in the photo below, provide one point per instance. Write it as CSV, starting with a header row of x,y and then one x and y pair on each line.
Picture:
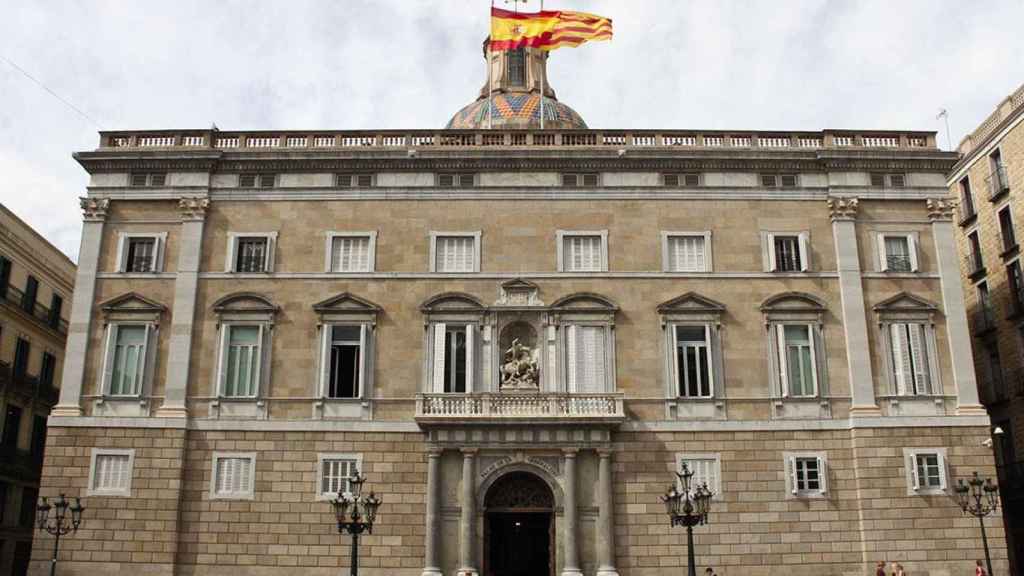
x,y
997,182
15,296
519,405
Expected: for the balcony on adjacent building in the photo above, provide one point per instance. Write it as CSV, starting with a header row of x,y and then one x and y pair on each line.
x,y
997,182
975,265
525,407
15,298
984,321
27,385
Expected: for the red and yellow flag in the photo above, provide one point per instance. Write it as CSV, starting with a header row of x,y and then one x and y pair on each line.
x,y
546,30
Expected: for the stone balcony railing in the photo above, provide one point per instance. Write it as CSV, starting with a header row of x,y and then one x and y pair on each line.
x,y
448,139
525,407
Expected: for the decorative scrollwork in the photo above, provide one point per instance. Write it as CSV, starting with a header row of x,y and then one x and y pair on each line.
x,y
94,209
941,209
843,208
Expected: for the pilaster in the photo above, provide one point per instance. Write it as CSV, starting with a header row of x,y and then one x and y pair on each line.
x,y
570,507
193,218
94,216
605,527
467,519
431,564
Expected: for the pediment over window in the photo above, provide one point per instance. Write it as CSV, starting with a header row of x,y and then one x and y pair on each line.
x,y
248,305
518,292
132,306
347,307
794,302
905,302
452,302
584,302
691,302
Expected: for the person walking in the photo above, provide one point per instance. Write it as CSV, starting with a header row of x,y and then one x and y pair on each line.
x,y
979,569
880,571
898,570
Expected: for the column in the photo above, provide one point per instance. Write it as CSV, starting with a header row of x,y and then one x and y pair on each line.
x,y
431,564
843,212
940,212
94,214
571,517
605,526
467,545
186,284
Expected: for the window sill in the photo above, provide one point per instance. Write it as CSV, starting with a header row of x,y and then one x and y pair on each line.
x,y
690,408
999,194
342,409
928,492
1010,252
222,407
801,408
968,219
807,495
977,273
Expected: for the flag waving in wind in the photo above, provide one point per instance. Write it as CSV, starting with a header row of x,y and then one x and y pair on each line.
x,y
546,30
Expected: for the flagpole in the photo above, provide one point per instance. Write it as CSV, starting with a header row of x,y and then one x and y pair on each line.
x,y
544,69
490,65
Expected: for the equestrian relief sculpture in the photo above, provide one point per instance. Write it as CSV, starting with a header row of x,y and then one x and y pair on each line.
x,y
520,368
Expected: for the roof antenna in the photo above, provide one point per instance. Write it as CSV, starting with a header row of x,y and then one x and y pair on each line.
x,y
944,115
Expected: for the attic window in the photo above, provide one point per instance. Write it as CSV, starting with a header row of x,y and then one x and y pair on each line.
x,y
456,180
517,67
354,180
256,180
587,180
879,180
677,180
141,179
778,180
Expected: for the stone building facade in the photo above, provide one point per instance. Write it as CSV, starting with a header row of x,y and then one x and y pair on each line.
x,y
36,279
987,181
518,335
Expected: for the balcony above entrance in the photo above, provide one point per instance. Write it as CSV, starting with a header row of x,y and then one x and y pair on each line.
x,y
519,408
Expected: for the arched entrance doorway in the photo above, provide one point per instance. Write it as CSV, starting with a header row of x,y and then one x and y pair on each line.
x,y
519,527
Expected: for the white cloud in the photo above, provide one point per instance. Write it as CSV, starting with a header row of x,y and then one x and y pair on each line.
x,y
798,65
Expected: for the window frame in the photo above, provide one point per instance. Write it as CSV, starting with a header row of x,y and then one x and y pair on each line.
x,y
457,180
149,177
371,256
568,328
803,249
782,359
354,179
322,457
231,264
148,357
123,242
668,236
366,330
580,179
438,331
560,256
476,235
882,256
258,180
249,494
681,179
930,358
714,457
1006,248
710,345
262,364
791,472
92,490
914,487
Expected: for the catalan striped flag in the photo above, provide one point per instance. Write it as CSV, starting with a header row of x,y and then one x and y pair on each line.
x,y
546,30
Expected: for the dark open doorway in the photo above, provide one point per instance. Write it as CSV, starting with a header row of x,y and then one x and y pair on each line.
x,y
519,527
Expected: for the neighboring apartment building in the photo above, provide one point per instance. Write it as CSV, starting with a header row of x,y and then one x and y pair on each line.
x,y
518,335
988,181
36,282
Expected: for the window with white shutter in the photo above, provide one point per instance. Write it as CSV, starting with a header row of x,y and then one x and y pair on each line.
x,y
344,360
127,359
456,252
693,361
111,472
140,253
350,254
586,358
336,472
706,469
251,252
454,354
909,353
583,251
897,252
241,360
233,475
687,252
786,251
796,360
926,471
806,474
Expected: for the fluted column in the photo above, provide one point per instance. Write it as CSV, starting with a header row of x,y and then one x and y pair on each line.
x,y
571,517
431,564
94,215
467,545
605,526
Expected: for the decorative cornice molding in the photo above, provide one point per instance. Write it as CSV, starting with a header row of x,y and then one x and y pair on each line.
x,y
94,209
940,209
843,208
193,208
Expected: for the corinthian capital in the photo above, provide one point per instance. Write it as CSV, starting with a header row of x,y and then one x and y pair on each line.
x,y
193,207
843,208
94,209
941,209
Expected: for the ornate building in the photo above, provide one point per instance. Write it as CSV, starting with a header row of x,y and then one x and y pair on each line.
x,y
987,182
36,279
518,335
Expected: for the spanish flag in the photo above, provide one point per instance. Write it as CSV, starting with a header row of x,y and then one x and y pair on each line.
x,y
546,30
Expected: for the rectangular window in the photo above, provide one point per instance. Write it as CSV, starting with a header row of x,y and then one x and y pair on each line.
x,y
582,253
456,180
241,361
354,180
898,252
778,180
966,198
336,471
128,359
586,358
455,253
787,253
1016,284
5,276
233,475
4,489
12,427
975,264
688,180
22,349
46,369
693,361
351,253
455,360
517,67
141,179
28,298
111,473
27,512
705,468
588,180
256,180
910,359
1006,229
998,182
38,436
345,362
926,470
996,383
251,254
797,370
56,306
807,475
687,253
141,256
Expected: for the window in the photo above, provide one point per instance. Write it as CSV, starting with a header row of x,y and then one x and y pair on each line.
x,y
47,369
966,198
141,179
126,359
456,180
351,251
455,358
256,180
706,469
1006,229
687,252
22,349
233,475
12,427
797,360
455,251
897,252
360,180
778,180
986,317
344,361
806,474
517,67
880,180
5,276
141,252
926,471
27,512
588,180
110,472
996,385
28,298
582,251
251,252
688,180
56,304
38,436
586,358
336,471
693,361
975,264
241,360
910,359
1016,284
786,252
997,180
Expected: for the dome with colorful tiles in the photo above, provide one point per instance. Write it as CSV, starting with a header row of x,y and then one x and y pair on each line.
x,y
516,111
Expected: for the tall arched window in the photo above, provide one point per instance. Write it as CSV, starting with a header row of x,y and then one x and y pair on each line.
x,y
517,67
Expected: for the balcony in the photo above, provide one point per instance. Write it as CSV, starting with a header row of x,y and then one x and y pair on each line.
x,y
975,265
528,407
984,321
28,385
997,182
898,263
39,313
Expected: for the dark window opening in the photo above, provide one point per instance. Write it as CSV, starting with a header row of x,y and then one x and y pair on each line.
x,y
455,360
343,379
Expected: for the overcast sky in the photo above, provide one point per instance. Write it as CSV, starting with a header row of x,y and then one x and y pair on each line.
x,y
779,64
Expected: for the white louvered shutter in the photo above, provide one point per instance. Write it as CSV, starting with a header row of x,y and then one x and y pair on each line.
x,y
571,365
912,250
108,357
455,254
686,253
350,254
902,368
771,264
470,356
791,471
822,475
914,476
326,335
883,255
780,353
918,351
591,358
439,367
804,241
364,357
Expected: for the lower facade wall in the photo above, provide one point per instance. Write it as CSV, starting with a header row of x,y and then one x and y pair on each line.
x,y
171,526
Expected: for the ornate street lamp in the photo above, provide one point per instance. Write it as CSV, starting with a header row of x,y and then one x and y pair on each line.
x,y
979,498
355,515
59,524
688,508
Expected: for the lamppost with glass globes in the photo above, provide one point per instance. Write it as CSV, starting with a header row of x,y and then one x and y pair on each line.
x,y
979,498
689,508
355,515
59,524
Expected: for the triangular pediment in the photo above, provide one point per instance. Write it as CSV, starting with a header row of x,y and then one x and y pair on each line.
x,y
585,301
519,284
346,302
244,302
905,301
691,302
452,302
131,302
794,301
